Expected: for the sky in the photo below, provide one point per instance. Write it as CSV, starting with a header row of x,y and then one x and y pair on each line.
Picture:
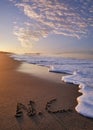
x,y
46,26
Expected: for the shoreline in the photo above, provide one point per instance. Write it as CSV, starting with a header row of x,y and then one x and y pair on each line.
x,y
40,72
20,87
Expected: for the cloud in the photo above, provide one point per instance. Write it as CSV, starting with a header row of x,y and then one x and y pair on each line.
x,y
66,17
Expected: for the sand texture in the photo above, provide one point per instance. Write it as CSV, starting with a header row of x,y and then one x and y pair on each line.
x,y
17,87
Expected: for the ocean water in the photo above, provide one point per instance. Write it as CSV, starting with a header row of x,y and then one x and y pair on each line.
x,y
79,71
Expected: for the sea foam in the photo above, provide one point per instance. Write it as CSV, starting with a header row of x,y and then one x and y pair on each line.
x,y
79,72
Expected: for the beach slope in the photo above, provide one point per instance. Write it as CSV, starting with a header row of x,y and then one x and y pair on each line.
x,y
17,87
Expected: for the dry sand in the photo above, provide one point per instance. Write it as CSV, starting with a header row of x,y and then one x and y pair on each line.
x,y
19,87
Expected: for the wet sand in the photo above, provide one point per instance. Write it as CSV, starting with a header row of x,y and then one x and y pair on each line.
x,y
20,87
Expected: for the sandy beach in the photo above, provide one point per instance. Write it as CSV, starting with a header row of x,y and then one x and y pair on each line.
x,y
17,87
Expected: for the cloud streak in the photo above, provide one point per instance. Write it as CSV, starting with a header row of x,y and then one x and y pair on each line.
x,y
61,17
